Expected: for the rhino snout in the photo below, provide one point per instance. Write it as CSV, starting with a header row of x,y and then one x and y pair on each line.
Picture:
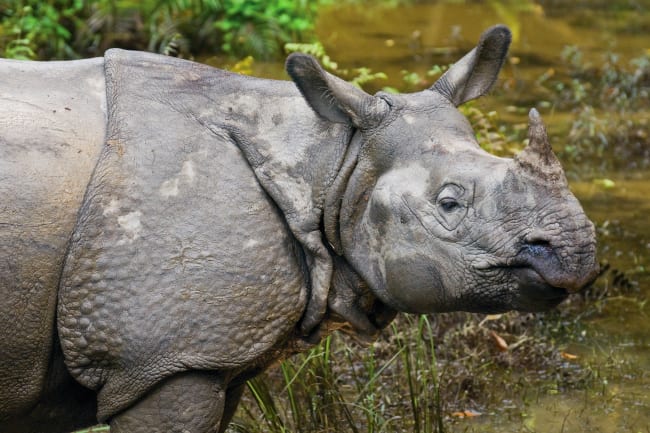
x,y
571,268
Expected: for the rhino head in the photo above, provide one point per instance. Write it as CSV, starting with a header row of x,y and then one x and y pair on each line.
x,y
429,220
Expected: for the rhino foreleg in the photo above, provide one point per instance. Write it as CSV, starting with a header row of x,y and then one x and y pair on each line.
x,y
190,402
233,395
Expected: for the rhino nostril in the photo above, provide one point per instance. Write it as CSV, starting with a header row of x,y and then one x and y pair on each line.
x,y
538,246
539,243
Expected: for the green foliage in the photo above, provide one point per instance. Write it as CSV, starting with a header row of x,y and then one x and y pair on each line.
x,y
40,29
606,84
402,383
67,29
311,398
365,75
96,429
260,27
413,81
421,371
493,135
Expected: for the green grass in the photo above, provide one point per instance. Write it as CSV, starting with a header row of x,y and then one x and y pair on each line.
x,y
340,386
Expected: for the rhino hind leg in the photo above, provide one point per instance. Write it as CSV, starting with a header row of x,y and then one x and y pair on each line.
x,y
190,402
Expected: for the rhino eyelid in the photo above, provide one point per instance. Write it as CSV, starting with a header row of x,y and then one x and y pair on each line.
x,y
449,204
459,188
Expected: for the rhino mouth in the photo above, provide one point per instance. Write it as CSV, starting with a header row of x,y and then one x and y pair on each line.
x,y
530,290
535,292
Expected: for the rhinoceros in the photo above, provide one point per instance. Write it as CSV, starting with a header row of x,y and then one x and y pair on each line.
x,y
169,230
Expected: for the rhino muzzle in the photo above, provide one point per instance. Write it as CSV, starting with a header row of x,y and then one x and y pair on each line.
x,y
550,265
558,256
547,272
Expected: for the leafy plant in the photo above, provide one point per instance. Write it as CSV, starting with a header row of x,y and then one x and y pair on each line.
x,y
260,27
36,29
68,29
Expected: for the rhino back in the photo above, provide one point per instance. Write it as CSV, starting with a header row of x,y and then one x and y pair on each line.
x,y
52,126
180,260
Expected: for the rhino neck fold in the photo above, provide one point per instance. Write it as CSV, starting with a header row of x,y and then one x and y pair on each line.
x,y
307,178
352,301
297,158
334,196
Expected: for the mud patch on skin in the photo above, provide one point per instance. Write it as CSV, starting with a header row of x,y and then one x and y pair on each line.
x,y
171,187
112,208
251,243
131,225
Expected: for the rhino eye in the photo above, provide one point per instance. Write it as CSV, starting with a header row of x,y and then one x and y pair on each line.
x,y
449,204
452,205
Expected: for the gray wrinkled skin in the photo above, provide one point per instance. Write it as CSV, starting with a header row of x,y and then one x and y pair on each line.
x,y
168,230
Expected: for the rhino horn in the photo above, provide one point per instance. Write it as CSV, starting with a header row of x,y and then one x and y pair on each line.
x,y
538,157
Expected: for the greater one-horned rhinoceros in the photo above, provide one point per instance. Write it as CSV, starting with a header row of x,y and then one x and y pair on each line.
x,y
168,230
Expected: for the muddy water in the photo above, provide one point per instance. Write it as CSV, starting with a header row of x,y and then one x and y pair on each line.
x,y
615,342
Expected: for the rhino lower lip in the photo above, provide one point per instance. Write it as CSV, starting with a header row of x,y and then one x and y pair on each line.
x,y
535,293
534,285
524,272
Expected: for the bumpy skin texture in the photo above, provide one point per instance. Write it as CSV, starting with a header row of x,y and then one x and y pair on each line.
x,y
231,221
52,124
201,409
179,259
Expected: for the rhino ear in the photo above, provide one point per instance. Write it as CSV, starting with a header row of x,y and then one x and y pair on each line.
x,y
332,98
474,74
